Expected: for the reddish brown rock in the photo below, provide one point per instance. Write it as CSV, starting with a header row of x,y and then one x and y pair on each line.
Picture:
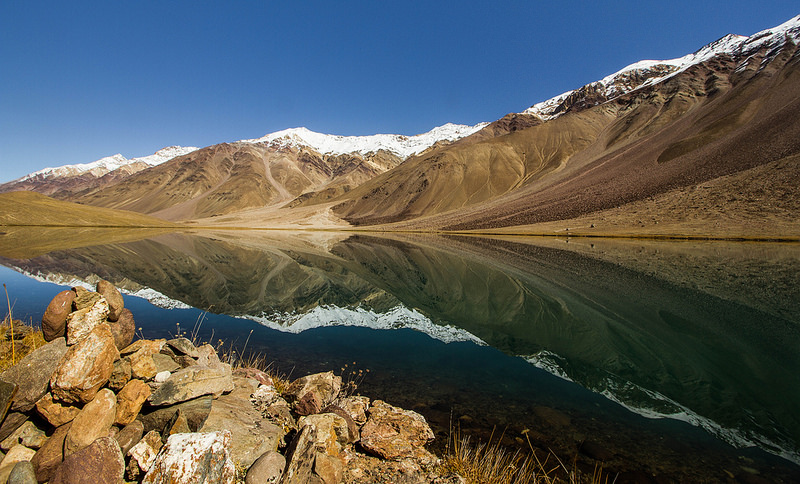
x,y
54,321
115,302
94,421
123,329
129,436
99,463
130,400
255,374
86,367
50,455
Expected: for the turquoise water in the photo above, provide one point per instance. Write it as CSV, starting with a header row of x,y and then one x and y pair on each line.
x,y
678,359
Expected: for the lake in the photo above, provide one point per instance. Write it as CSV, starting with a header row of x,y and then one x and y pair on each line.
x,y
664,359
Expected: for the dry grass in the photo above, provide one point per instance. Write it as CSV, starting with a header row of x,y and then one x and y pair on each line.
x,y
12,347
491,463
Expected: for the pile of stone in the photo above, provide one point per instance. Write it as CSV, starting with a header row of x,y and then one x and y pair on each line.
x,y
94,406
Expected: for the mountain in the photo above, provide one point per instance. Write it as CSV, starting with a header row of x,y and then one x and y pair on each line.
x,y
65,180
646,134
295,167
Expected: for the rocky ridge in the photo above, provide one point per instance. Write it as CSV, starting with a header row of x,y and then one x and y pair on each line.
x,y
93,405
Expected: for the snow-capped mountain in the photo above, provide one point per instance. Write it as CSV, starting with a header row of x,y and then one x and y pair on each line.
x,y
402,146
110,163
649,72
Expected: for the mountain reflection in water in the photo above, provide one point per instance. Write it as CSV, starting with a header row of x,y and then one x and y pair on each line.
x,y
705,332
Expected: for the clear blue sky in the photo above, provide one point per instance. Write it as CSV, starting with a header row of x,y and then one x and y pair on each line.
x,y
83,80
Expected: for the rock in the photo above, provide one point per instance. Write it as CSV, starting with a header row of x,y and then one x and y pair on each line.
x,y
184,347
115,302
331,431
18,453
267,469
356,407
595,451
86,367
393,433
161,376
145,346
54,412
27,434
252,435
280,413
17,331
142,366
54,321
194,457
145,451
329,469
164,363
81,322
7,392
84,298
50,455
255,374
313,392
176,425
123,329
264,396
130,400
32,374
243,387
352,427
129,436
22,473
306,448
94,421
99,463
193,382
120,374
196,412
11,423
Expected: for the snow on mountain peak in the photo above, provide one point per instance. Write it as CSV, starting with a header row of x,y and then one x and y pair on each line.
x,y
110,163
649,72
402,146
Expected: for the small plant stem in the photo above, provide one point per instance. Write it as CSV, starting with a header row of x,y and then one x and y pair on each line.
x,y
11,325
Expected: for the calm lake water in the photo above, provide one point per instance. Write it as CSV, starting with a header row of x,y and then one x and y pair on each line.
x,y
665,360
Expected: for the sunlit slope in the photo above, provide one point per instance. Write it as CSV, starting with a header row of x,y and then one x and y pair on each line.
x,y
31,208
713,120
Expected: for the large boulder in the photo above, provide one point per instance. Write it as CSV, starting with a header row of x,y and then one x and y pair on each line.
x,y
312,393
54,321
394,433
252,435
193,382
32,373
82,321
115,302
99,463
130,400
94,421
194,457
85,367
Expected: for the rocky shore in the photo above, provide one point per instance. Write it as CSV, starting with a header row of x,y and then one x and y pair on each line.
x,y
94,406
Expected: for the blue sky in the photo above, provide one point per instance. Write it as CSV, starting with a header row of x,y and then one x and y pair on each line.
x,y
84,80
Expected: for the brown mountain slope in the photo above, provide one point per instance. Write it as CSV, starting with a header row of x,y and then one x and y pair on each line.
x,y
228,178
717,118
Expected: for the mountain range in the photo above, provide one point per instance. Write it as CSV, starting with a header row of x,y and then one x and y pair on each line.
x,y
707,144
